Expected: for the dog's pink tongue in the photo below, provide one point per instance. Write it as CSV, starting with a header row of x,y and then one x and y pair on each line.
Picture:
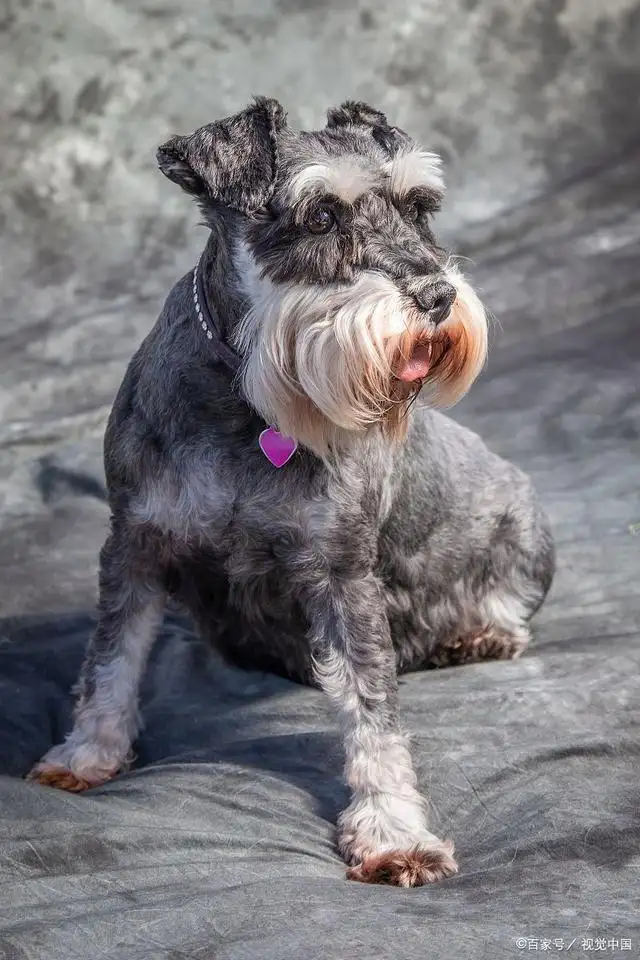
x,y
417,366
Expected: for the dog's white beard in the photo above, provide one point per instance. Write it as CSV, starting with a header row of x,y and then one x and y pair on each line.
x,y
319,360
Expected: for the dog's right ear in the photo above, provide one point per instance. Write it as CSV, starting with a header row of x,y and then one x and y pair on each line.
x,y
233,162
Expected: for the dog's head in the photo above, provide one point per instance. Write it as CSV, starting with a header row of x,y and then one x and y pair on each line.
x,y
352,308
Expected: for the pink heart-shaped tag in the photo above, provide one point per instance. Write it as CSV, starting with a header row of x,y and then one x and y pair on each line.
x,y
276,447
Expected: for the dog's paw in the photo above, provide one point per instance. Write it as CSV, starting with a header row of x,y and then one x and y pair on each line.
x,y
494,644
59,777
73,770
407,868
489,644
384,839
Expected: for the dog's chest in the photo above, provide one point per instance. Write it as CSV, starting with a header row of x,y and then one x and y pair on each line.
x,y
248,515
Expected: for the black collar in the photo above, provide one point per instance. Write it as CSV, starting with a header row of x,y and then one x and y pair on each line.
x,y
209,323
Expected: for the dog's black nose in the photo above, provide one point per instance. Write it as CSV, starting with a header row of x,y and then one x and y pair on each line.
x,y
436,300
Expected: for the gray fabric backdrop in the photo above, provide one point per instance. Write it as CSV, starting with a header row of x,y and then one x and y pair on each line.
x,y
219,845
517,96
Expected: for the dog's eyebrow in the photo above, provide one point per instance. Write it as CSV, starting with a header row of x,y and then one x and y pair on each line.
x,y
344,177
415,168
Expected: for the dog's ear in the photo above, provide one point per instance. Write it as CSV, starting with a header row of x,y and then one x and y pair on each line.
x,y
233,162
357,113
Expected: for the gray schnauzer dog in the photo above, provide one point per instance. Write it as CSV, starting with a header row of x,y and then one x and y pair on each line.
x,y
269,468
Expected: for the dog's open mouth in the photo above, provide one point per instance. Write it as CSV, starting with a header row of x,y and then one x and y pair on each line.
x,y
420,360
417,365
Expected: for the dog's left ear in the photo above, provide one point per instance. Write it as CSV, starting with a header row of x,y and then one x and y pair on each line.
x,y
233,162
357,113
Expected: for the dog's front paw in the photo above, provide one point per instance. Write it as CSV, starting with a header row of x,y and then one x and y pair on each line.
x,y
59,777
384,839
407,868
74,769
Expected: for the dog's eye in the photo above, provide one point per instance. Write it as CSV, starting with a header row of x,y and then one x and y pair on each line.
x,y
321,220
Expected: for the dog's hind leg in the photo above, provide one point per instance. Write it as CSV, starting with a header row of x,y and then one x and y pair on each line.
x,y
489,619
500,631
106,713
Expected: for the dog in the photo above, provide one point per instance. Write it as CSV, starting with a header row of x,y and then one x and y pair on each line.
x,y
276,463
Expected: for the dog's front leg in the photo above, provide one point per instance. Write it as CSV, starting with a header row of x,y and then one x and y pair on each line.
x,y
106,712
383,833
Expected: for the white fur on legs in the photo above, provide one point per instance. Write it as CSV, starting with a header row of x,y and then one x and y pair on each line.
x,y
383,833
386,813
105,724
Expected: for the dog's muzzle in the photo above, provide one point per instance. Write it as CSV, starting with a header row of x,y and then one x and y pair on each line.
x,y
324,362
434,302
